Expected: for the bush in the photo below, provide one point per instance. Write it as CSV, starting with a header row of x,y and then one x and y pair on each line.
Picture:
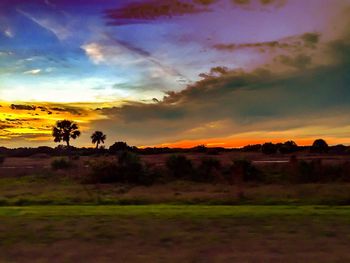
x,y
127,169
179,166
75,157
130,167
246,169
269,148
61,164
309,172
205,171
213,151
2,159
288,147
119,147
104,172
199,149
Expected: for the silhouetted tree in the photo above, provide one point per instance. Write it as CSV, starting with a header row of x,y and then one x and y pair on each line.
x,y
319,146
199,149
288,147
98,137
252,148
269,148
119,147
64,131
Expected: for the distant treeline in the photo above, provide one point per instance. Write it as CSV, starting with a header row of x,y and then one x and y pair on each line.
x,y
319,146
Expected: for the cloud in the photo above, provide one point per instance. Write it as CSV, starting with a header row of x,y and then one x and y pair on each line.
x,y
55,26
300,61
118,52
23,107
142,12
32,72
9,33
22,122
259,3
205,2
231,102
95,52
307,40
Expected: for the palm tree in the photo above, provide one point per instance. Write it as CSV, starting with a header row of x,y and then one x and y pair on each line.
x,y
65,130
98,137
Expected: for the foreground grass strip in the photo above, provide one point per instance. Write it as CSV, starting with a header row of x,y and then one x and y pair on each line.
x,y
175,211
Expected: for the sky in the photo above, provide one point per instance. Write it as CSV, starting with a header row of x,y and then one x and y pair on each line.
x,y
175,73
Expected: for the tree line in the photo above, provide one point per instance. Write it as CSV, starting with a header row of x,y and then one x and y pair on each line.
x,y
66,130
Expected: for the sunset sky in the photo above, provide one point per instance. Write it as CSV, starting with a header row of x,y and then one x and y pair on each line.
x,y
174,72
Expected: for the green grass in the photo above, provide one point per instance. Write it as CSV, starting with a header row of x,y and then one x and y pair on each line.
x,y
55,189
191,211
169,233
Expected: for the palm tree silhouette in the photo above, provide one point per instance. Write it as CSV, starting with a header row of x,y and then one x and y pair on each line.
x,y
98,137
65,130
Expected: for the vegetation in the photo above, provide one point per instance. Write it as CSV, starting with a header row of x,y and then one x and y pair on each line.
x,y
2,159
97,138
269,148
65,131
61,164
168,233
179,166
319,146
208,170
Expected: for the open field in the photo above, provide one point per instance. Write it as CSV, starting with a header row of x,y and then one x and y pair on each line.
x,y
52,216
60,189
175,234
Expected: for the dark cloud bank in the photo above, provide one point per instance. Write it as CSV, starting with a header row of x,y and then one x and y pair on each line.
x,y
245,101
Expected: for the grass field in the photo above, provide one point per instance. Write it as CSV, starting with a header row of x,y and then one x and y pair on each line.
x,y
57,189
51,216
166,233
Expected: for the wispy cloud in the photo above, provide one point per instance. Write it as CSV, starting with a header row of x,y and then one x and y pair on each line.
x,y
32,72
59,30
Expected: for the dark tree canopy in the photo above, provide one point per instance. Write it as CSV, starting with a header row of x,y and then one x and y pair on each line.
x,y
319,146
288,147
119,146
97,138
65,130
269,148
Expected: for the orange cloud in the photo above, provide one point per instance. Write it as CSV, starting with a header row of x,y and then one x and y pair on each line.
x,y
33,122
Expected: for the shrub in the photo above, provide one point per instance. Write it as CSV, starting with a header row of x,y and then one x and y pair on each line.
x,y
104,172
246,169
269,148
309,172
127,169
130,167
179,166
75,157
205,171
199,149
252,148
213,151
61,164
288,147
2,159
119,147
